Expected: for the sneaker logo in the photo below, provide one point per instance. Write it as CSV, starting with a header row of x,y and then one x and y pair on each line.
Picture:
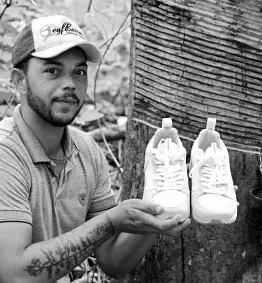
x,y
65,29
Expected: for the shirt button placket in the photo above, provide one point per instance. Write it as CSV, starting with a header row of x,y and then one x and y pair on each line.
x,y
53,180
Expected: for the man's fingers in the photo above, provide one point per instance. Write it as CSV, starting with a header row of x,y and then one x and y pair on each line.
x,y
153,223
146,206
161,225
178,228
144,216
167,227
170,223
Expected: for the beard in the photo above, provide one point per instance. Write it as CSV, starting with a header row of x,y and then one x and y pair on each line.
x,y
44,111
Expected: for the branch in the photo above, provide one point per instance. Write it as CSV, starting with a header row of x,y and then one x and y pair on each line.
x,y
7,5
89,6
111,38
98,68
112,133
96,76
8,106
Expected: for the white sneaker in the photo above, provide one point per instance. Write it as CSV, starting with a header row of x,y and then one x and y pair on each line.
x,y
166,181
213,198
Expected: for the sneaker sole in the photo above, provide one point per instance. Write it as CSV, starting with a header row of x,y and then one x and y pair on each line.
x,y
213,221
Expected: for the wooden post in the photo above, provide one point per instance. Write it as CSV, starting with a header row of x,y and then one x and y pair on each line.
x,y
191,60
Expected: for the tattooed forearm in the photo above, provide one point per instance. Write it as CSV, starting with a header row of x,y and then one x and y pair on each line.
x,y
61,259
67,253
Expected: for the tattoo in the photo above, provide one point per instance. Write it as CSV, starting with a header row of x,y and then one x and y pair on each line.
x,y
69,254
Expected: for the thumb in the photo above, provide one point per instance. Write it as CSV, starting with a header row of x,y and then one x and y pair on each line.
x,y
146,206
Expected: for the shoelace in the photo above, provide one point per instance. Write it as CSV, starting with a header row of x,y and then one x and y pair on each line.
x,y
213,174
169,174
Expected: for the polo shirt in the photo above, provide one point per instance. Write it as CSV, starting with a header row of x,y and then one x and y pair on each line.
x,y
31,192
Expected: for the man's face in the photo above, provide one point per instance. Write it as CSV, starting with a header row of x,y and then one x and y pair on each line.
x,y
57,86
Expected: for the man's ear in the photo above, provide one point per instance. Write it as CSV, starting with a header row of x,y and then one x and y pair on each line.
x,y
19,81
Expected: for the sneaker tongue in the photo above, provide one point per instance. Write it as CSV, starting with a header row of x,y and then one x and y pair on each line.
x,y
170,149
212,151
166,145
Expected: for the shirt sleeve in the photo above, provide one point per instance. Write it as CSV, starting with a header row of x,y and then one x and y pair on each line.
x,y
103,198
14,188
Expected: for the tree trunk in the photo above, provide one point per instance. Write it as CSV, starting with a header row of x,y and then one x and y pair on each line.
x,y
191,60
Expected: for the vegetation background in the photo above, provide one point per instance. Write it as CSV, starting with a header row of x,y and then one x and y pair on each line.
x,y
107,24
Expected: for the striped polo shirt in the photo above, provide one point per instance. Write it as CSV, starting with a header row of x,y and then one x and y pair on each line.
x,y
31,192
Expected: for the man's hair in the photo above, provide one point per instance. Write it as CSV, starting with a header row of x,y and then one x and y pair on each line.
x,y
23,65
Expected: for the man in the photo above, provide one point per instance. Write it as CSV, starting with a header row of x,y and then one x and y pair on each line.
x,y
56,205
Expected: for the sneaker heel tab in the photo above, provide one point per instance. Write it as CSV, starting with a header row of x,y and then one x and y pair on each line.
x,y
211,124
166,123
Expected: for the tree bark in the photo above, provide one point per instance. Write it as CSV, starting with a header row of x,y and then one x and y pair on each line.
x,y
191,60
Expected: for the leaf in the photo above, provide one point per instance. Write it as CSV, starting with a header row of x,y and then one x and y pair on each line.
x,y
121,121
5,96
87,115
13,12
127,5
4,74
79,8
9,112
5,56
27,2
4,27
8,39
99,5
101,22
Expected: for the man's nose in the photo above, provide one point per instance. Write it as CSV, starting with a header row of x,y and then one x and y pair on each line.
x,y
68,82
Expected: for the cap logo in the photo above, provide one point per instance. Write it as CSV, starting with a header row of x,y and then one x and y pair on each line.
x,y
65,29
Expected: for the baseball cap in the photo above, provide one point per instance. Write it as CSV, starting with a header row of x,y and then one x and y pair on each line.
x,y
50,36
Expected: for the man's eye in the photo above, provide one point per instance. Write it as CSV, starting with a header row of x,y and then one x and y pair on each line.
x,y
80,72
52,71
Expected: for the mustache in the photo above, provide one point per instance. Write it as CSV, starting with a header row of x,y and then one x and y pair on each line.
x,y
67,96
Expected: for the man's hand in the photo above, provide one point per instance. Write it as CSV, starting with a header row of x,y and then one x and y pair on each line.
x,y
140,217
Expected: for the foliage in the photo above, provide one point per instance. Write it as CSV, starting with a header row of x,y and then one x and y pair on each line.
x,y
108,83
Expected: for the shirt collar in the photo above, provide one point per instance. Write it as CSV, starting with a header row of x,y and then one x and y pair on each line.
x,y
32,144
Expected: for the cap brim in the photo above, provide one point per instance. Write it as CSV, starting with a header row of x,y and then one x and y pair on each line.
x,y
93,54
